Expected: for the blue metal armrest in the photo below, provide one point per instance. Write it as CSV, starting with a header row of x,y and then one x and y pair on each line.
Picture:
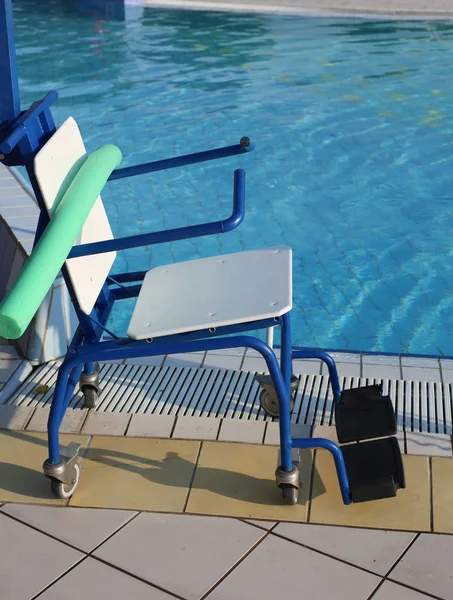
x,y
179,233
245,145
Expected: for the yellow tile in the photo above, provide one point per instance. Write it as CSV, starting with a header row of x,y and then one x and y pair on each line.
x,y
238,480
410,509
21,457
442,477
136,473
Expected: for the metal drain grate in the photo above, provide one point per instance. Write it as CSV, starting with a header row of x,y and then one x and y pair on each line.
x,y
419,406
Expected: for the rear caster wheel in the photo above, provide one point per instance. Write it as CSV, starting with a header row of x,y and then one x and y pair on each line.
x,y
63,490
269,403
90,396
290,494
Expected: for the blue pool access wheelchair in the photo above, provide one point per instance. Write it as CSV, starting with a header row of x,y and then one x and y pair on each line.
x,y
205,304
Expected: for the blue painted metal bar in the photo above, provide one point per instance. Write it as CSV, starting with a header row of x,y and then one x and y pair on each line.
x,y
245,145
72,382
171,235
9,92
128,277
286,351
29,126
56,413
329,361
337,456
125,348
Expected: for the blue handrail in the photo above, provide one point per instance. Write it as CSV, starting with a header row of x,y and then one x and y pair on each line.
x,y
171,235
245,145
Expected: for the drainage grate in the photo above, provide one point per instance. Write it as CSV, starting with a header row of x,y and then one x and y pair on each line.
x,y
419,406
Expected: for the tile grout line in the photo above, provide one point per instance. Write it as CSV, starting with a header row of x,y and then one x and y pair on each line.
x,y
128,423
402,555
219,431
90,555
414,589
310,486
137,577
266,424
192,477
87,412
132,518
61,576
49,535
326,554
236,564
203,360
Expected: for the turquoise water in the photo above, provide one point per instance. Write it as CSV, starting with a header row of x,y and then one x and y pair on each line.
x,y
353,125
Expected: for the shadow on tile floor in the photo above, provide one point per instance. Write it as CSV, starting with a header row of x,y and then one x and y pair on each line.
x,y
172,472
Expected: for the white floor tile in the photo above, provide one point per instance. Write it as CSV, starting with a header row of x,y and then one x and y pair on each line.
x,y
381,372
72,421
196,428
307,367
419,363
84,528
106,423
421,374
29,560
14,417
254,364
238,430
184,554
380,359
277,568
374,550
192,359
155,426
393,591
219,361
92,580
427,566
345,369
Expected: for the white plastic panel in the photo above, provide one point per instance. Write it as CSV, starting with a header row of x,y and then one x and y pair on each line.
x,y
52,165
213,292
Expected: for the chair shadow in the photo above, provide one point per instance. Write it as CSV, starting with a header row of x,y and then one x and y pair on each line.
x,y
24,481
175,471
172,471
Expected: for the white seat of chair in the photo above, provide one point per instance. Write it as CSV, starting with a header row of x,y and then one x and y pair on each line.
x,y
213,292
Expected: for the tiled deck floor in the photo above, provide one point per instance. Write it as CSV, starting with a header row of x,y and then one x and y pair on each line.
x,y
68,554
78,551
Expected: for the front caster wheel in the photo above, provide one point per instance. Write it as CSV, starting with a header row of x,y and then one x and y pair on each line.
x,y
290,494
269,403
63,490
90,396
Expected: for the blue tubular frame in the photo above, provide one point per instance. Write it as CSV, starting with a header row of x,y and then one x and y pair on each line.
x,y
245,145
22,135
171,235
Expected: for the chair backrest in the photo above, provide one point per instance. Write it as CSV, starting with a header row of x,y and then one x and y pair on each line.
x,y
54,166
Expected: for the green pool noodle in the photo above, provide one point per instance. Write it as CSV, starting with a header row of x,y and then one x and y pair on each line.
x,y
39,272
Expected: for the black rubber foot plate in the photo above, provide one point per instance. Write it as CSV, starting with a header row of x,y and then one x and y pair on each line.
x,y
375,469
363,414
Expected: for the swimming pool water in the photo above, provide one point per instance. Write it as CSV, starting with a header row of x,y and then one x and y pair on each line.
x,y
353,125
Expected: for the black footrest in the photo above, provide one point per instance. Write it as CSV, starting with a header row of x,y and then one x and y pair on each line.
x,y
375,469
364,413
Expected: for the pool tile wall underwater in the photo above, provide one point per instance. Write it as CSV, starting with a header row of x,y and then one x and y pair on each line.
x,y
335,75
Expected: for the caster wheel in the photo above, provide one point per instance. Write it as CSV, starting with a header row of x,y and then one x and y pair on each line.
x,y
269,403
62,490
290,494
90,396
